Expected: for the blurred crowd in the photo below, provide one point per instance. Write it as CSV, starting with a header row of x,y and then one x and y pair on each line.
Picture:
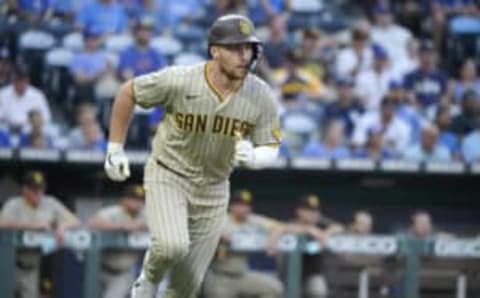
x,y
230,273
371,79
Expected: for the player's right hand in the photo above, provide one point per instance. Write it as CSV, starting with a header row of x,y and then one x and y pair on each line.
x,y
116,162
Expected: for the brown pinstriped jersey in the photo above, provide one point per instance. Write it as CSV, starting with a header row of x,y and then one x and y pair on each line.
x,y
197,136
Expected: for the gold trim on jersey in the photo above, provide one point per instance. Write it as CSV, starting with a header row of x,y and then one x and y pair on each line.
x,y
210,84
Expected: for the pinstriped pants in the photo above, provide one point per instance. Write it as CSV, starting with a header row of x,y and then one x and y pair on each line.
x,y
185,222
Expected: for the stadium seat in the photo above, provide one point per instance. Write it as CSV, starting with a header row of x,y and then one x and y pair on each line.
x,y
57,79
73,41
36,40
117,43
310,6
167,46
58,57
187,58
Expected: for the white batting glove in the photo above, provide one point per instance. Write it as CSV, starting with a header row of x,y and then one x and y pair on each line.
x,y
116,162
244,153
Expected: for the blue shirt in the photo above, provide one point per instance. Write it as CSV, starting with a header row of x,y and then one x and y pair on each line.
x,y
36,7
103,18
4,138
89,63
140,61
364,154
25,141
428,87
449,140
471,147
438,154
316,149
346,114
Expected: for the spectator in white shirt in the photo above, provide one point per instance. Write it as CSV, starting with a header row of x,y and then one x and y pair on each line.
x,y
357,57
391,36
428,149
395,132
373,84
19,98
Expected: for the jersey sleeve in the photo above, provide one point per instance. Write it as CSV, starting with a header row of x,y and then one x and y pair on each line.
x,y
154,89
62,214
9,211
267,128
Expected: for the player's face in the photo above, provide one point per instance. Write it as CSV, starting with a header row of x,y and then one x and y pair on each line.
x,y
240,210
33,194
234,60
133,205
308,216
422,225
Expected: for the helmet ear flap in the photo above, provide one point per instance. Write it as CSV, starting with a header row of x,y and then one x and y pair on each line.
x,y
257,53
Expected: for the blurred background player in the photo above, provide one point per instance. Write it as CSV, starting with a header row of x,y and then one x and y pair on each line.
x,y
126,216
310,222
229,275
34,210
361,224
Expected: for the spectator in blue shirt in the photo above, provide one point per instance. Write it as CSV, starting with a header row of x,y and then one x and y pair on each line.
x,y
373,148
33,10
103,16
347,107
427,84
447,137
36,137
429,149
469,80
88,66
471,145
140,58
333,145
465,122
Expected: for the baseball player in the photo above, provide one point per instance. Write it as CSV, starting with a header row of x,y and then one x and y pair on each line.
x,y
34,210
218,114
229,275
128,216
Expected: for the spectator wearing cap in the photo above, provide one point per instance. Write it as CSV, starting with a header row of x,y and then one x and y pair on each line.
x,y
468,80
428,149
103,16
466,121
140,58
395,131
34,210
229,274
126,216
33,11
471,145
19,98
358,56
313,48
373,148
37,136
371,85
426,85
296,84
393,37
333,144
311,223
346,107
5,67
88,65
446,137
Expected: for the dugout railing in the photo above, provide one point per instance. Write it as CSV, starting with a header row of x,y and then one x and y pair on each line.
x,y
460,255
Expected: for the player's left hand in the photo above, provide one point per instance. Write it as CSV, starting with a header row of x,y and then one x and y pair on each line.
x,y
244,152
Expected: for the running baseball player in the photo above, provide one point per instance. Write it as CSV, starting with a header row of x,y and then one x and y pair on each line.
x,y
218,114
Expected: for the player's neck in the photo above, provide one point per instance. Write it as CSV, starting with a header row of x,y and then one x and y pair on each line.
x,y
224,85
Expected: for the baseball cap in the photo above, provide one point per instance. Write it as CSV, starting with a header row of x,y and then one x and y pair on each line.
x,y
379,52
135,191
345,81
395,85
381,9
34,179
309,201
388,101
91,32
145,22
243,196
427,45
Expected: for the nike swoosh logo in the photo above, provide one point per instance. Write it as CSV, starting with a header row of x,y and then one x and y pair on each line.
x,y
191,96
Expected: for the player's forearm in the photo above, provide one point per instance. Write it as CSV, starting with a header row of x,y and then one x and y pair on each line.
x,y
121,113
105,225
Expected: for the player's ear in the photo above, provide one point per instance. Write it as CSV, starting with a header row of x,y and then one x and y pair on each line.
x,y
214,52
